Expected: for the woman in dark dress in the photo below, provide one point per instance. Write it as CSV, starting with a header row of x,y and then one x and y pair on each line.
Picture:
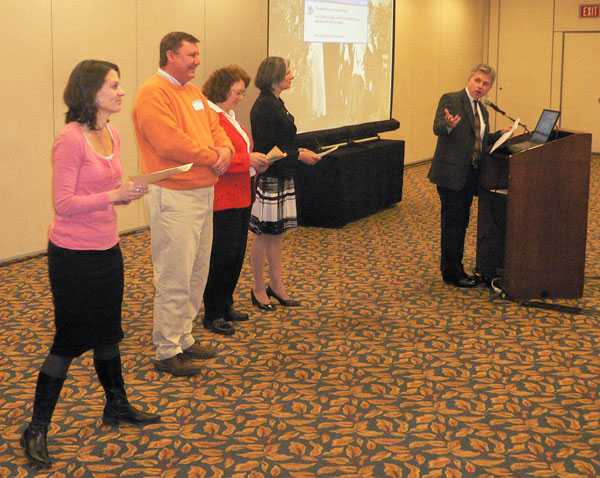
x,y
85,264
274,210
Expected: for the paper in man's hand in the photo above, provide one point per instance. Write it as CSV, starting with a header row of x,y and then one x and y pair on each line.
x,y
156,176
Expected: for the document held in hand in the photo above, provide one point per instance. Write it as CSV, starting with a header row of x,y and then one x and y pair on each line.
x,y
156,176
325,152
502,139
275,154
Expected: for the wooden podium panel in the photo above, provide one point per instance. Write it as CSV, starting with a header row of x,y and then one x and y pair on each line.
x,y
546,218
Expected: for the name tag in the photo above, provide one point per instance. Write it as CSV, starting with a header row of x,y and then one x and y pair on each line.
x,y
197,105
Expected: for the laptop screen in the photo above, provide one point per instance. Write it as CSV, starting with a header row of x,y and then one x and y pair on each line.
x,y
545,125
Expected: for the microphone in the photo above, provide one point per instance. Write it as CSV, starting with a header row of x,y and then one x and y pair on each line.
x,y
496,108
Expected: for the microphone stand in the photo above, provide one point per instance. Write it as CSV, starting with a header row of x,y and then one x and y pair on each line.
x,y
498,110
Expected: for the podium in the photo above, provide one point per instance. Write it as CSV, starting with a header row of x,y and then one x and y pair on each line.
x,y
532,217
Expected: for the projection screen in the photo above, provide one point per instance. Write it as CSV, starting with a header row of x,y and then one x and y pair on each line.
x,y
341,53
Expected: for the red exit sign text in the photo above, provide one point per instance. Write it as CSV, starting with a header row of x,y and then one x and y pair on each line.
x,y
587,11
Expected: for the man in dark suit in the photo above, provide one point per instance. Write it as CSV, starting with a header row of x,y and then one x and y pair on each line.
x,y
462,126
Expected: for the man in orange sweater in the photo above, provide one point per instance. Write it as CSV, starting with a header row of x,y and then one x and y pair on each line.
x,y
174,125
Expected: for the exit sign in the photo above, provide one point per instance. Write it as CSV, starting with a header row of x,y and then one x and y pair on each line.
x,y
589,10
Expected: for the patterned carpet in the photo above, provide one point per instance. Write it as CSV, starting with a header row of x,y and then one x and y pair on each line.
x,y
383,372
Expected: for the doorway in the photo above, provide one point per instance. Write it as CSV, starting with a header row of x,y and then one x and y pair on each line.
x,y
580,97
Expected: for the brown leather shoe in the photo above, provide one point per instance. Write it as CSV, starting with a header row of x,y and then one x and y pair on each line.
x,y
219,326
197,351
232,315
463,281
179,365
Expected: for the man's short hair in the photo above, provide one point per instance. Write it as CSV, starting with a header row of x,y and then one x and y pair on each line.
x,y
219,83
271,71
485,69
172,41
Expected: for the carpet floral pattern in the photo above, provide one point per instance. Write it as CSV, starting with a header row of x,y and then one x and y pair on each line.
x,y
384,371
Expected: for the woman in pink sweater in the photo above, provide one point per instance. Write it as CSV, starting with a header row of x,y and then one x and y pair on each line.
x,y
85,264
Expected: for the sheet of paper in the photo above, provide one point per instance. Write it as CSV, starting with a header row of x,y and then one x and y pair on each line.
x,y
156,176
502,139
275,154
327,151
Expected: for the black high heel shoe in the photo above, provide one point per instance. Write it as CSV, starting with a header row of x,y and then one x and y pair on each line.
x,y
281,300
260,305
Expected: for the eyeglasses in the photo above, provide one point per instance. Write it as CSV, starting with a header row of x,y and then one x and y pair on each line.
x,y
239,92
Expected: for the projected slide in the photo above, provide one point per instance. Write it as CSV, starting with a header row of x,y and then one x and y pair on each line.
x,y
338,22
341,54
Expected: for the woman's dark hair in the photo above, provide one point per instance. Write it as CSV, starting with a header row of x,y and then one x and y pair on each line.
x,y
271,71
219,83
85,81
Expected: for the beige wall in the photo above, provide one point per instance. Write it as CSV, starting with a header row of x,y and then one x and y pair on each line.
x,y
72,19
567,17
26,126
576,45
39,58
526,45
521,48
437,41
246,47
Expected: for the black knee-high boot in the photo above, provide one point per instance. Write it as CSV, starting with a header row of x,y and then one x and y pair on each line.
x,y
117,408
34,438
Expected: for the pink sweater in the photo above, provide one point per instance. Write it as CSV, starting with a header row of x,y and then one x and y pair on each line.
x,y
84,217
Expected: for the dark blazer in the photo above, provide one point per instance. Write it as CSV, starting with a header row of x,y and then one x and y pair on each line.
x,y
452,159
273,125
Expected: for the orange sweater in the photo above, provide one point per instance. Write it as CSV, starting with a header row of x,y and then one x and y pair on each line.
x,y
174,125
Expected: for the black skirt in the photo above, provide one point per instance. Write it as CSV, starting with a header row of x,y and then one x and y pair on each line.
x,y
87,290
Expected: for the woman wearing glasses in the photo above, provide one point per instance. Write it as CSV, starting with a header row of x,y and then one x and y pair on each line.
x,y
225,88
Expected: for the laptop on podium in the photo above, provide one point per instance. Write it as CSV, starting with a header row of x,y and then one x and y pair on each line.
x,y
542,132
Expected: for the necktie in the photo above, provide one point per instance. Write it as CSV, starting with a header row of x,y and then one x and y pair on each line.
x,y
477,145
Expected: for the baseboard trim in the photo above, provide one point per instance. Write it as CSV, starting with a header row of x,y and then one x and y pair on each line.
x,y
421,162
33,255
